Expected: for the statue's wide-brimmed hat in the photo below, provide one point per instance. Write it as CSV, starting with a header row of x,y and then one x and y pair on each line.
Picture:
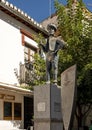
x,y
51,26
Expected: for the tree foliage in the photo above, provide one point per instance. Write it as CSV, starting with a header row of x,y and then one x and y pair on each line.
x,y
76,30
38,73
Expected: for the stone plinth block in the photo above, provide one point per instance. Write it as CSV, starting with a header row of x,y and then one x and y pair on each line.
x,y
47,108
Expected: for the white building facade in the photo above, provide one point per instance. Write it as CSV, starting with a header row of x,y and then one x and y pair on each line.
x,y
17,46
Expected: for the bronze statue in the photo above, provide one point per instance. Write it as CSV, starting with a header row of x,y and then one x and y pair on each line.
x,y
51,49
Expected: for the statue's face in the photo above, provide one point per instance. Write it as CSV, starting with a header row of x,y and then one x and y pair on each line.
x,y
51,31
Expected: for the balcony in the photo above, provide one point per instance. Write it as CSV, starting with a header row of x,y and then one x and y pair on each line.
x,y
26,71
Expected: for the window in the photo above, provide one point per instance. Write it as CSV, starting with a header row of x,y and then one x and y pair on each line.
x,y
30,46
7,110
17,111
28,54
12,111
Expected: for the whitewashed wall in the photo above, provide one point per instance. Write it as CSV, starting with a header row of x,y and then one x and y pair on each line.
x,y
11,49
11,52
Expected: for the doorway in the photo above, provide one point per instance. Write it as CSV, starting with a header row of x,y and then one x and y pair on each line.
x,y
28,112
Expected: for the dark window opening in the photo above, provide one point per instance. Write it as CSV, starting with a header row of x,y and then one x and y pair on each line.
x,y
17,111
7,110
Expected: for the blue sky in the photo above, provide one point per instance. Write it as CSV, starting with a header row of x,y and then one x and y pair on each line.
x,y
41,9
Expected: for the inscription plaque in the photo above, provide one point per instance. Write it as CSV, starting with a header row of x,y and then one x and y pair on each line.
x,y
41,106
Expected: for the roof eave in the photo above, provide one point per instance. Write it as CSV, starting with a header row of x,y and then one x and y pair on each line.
x,y
22,17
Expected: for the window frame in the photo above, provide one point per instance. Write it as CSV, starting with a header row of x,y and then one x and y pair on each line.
x,y
20,117
27,45
29,55
7,117
12,117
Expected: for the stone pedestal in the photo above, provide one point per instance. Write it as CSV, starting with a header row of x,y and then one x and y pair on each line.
x,y
47,108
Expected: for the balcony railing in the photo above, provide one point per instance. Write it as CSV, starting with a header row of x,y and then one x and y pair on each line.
x,y
26,71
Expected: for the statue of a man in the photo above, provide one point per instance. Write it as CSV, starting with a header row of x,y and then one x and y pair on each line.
x,y
51,49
